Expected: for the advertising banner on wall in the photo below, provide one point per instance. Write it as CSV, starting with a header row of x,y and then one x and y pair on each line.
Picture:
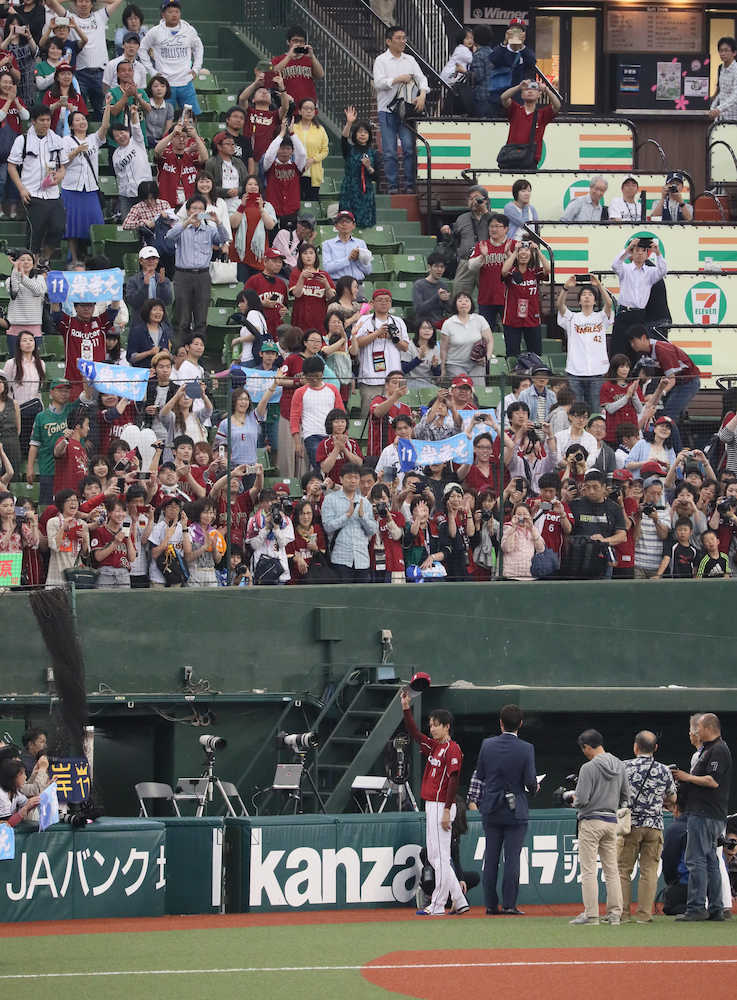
x,y
460,145
372,860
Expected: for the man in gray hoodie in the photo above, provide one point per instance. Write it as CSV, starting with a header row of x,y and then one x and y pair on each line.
x,y
601,789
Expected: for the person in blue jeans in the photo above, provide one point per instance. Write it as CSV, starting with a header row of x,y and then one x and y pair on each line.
x,y
398,81
706,807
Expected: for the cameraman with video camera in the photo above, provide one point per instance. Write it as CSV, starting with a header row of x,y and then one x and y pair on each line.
x,y
602,788
269,531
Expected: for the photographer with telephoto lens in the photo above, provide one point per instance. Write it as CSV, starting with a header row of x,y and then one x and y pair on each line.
x,y
385,548
269,532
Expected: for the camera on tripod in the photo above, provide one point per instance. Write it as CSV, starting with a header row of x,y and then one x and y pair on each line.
x,y
298,742
211,744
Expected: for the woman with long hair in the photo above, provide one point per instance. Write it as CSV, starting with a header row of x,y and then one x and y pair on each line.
x,y
621,397
13,113
421,361
250,223
62,98
25,372
183,414
14,806
245,421
311,289
253,332
309,541
10,426
358,193
314,138
27,287
80,189
19,42
522,272
346,302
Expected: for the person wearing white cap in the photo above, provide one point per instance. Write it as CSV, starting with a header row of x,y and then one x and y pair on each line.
x,y
151,282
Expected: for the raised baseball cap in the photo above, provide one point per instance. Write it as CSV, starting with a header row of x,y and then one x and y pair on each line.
x,y
664,420
380,291
622,475
145,253
653,468
272,254
283,488
269,345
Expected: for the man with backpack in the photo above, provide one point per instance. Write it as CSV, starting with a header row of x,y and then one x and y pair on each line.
x,y
496,70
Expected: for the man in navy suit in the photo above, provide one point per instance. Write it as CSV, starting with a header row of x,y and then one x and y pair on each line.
x,y
506,766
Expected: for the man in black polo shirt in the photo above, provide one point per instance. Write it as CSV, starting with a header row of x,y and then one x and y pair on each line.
x,y
598,518
708,797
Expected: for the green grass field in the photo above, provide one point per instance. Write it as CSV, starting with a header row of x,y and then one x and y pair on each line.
x,y
312,961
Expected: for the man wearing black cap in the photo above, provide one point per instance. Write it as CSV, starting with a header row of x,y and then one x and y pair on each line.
x,y
670,206
131,45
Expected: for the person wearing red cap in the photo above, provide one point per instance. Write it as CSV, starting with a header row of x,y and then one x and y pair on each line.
x,y
379,339
659,449
271,290
62,96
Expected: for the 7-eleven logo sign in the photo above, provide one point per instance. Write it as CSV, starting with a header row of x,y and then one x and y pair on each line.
x,y
706,304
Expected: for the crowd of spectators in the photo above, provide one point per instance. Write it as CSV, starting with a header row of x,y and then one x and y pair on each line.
x,y
262,472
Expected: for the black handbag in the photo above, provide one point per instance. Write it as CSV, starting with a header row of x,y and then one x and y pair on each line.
x,y
172,566
520,156
267,571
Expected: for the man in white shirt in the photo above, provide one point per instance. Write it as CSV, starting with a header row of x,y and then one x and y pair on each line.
x,y
724,104
130,162
131,46
345,254
177,52
311,405
42,158
397,76
626,208
93,56
380,338
578,415
637,275
589,208
587,361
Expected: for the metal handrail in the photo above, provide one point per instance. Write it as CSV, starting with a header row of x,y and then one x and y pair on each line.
x,y
719,142
715,199
428,182
657,146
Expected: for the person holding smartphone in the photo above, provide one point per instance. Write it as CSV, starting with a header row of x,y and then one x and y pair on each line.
x,y
112,545
636,279
586,331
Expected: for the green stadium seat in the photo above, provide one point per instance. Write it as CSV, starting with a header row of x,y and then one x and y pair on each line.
x,y
488,396
130,263
323,233
207,85
497,367
6,264
381,270
109,185
3,347
208,130
412,399
551,346
401,292
355,429
217,316
329,186
354,404
500,348
225,295
407,267
218,102
556,361
380,238
52,347
427,394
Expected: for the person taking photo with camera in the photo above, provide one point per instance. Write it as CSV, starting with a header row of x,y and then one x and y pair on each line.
x,y
380,337
637,275
521,273
268,533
